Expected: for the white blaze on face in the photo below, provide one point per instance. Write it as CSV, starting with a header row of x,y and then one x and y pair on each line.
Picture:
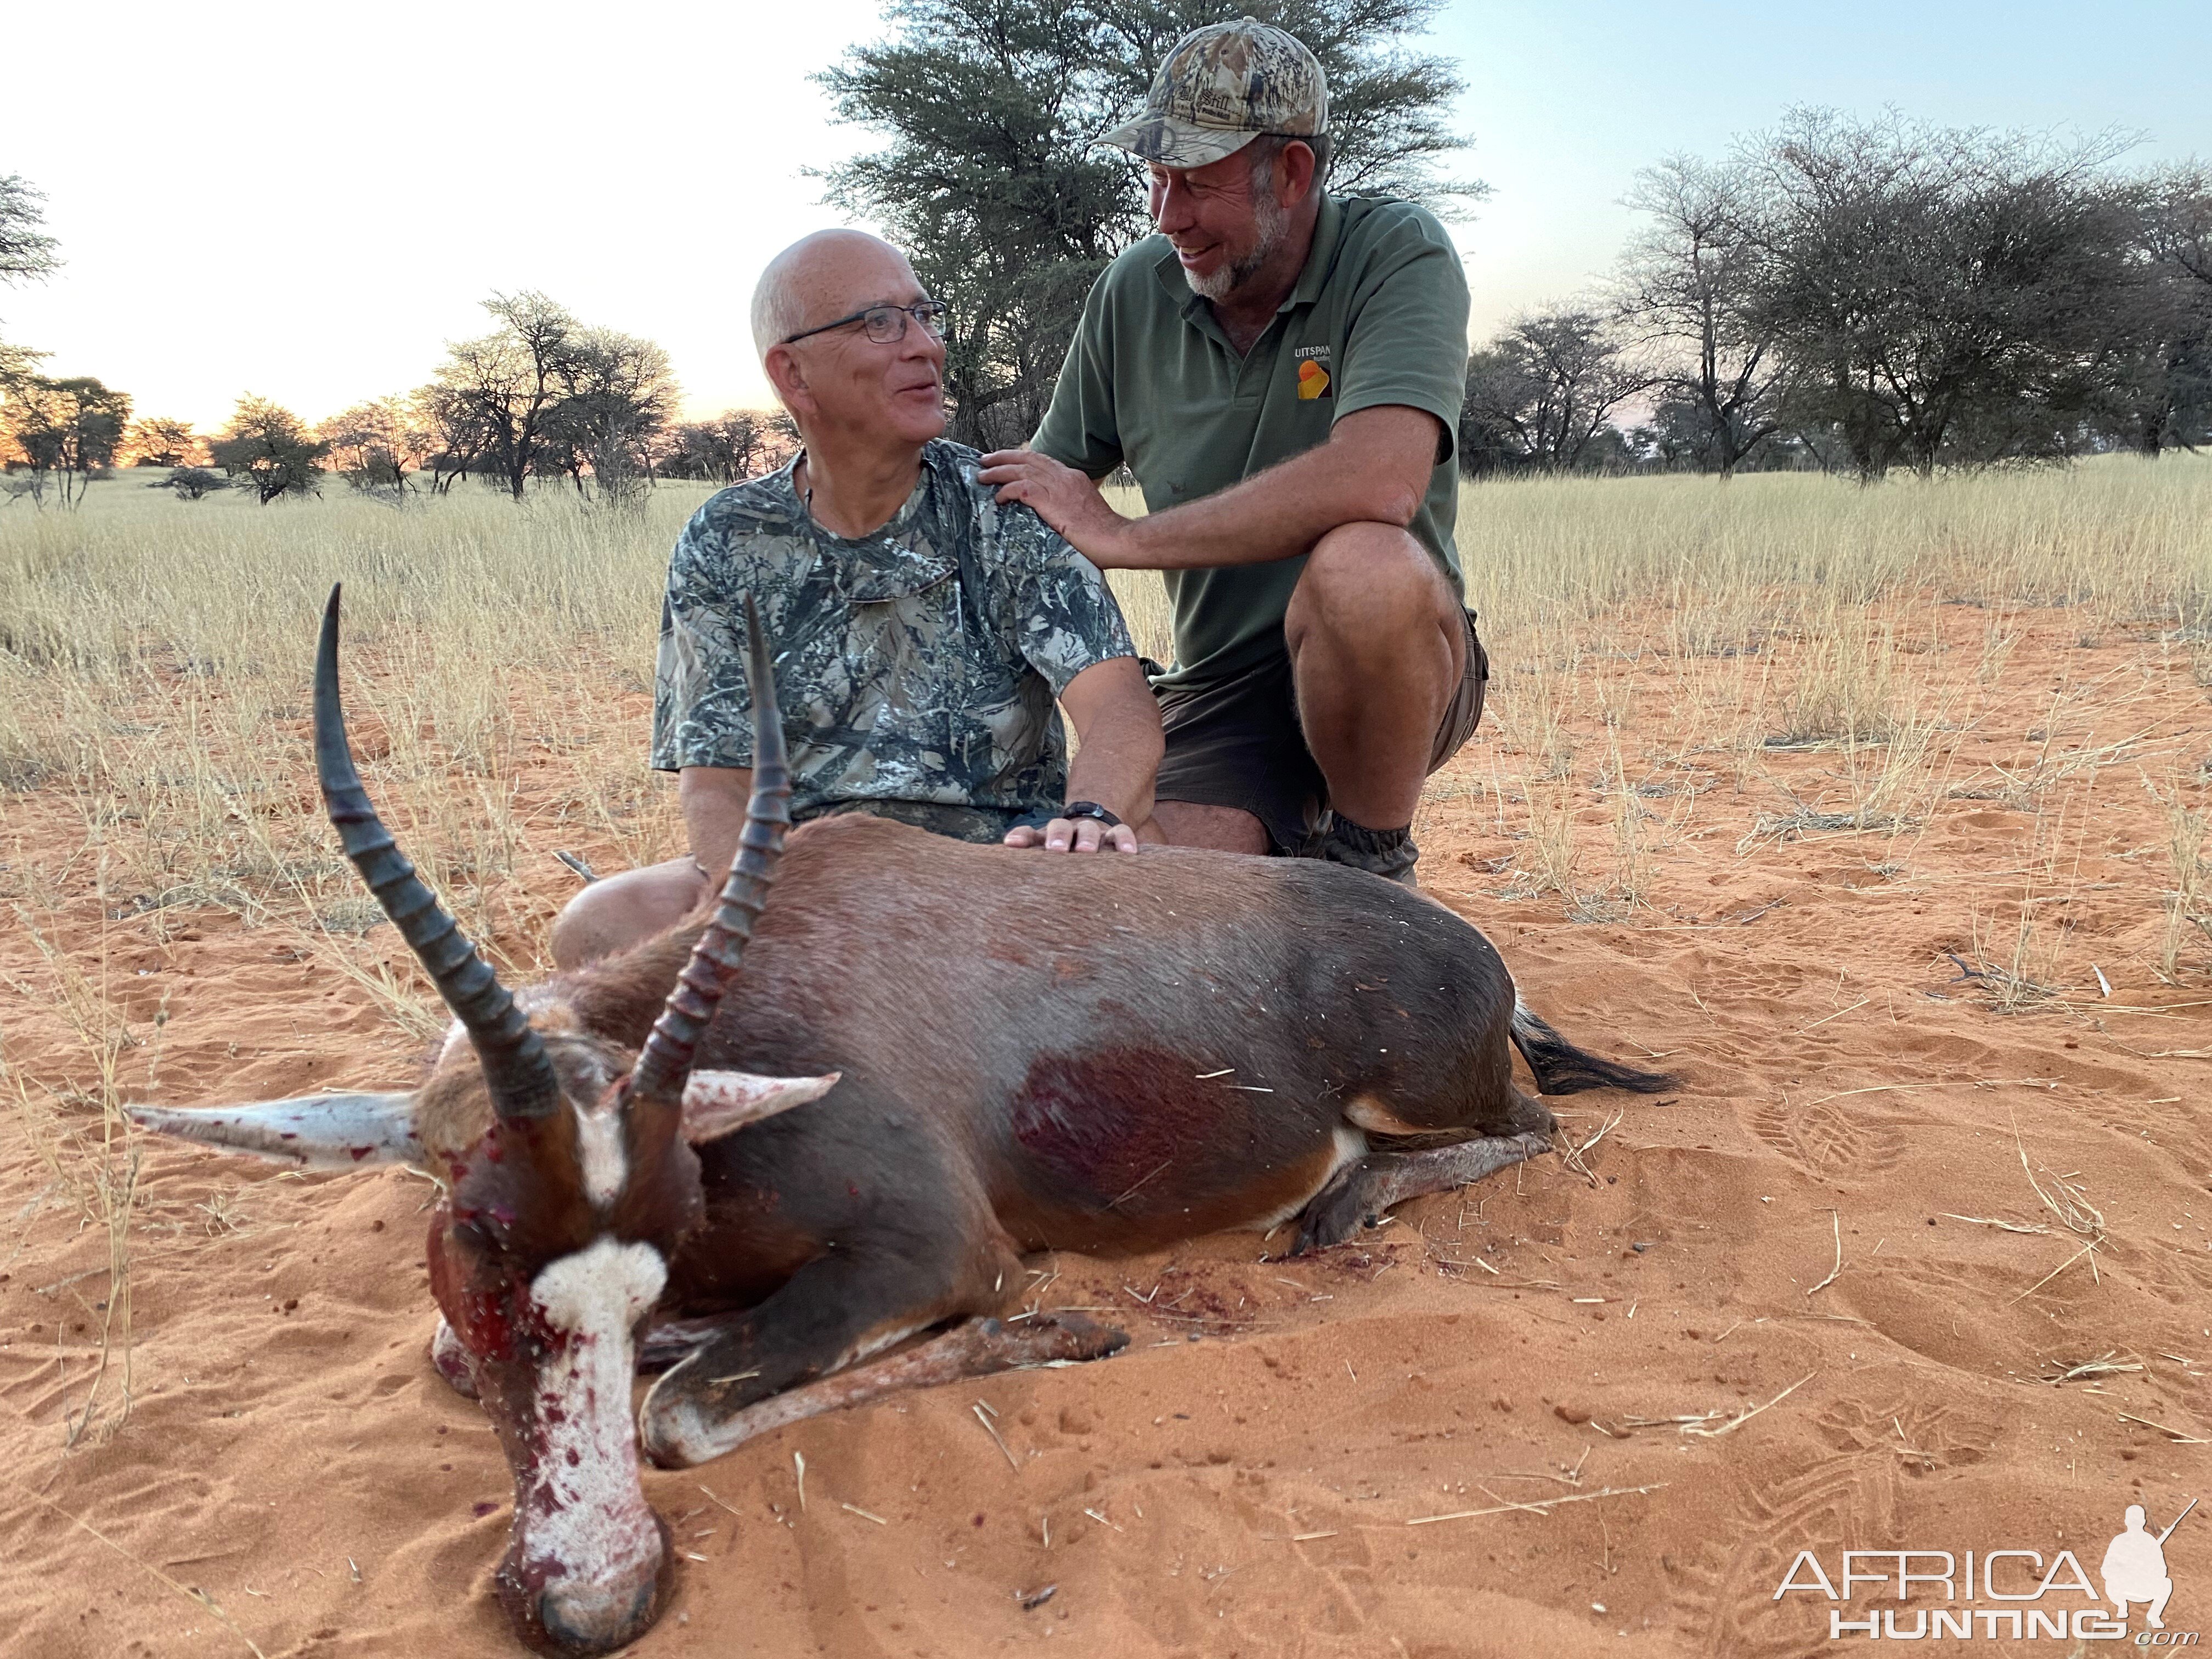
x,y
599,1136
586,1510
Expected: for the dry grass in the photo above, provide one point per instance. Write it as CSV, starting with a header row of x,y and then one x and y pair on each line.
x,y
2185,902
1838,656
154,661
75,1126
153,666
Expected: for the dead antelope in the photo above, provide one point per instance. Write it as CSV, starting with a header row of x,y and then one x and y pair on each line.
x,y
1007,1052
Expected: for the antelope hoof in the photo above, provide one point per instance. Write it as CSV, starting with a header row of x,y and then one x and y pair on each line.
x,y
1337,1213
1053,1339
451,1360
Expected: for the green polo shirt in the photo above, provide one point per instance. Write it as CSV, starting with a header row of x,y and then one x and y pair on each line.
x,y
1378,316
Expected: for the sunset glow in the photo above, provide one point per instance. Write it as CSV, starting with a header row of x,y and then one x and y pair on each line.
x,y
310,213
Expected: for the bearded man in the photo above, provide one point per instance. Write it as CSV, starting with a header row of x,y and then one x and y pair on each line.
x,y
1282,370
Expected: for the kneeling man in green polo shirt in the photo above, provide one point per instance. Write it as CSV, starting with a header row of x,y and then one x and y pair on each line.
x,y
1282,370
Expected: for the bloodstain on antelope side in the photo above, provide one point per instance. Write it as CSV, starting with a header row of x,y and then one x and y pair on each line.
x,y
1126,1145
1101,1122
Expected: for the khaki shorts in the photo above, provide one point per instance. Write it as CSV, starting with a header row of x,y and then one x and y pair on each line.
x,y
1238,743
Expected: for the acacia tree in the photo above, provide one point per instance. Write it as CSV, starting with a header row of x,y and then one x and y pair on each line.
x,y
736,445
618,392
1937,292
545,395
2162,385
506,384
992,182
1690,286
26,254
158,440
271,448
191,483
1541,393
64,431
2178,222
457,427
375,445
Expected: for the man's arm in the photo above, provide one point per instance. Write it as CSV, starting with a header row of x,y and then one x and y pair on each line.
x,y
1119,746
713,800
1374,468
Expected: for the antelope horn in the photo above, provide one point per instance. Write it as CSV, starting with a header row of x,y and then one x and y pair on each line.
x,y
515,1064
322,1132
666,1062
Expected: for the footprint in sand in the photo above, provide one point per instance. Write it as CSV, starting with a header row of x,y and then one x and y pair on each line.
x,y
1826,1139
1852,1499
2179,1275
1723,1597
1922,1438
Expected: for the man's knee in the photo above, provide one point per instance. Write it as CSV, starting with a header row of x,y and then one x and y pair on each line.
x,y
1222,828
1367,585
618,911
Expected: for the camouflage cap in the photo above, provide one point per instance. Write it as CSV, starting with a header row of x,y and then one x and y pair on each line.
x,y
1222,87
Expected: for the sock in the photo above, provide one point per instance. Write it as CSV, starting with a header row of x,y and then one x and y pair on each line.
x,y
1360,838
1390,853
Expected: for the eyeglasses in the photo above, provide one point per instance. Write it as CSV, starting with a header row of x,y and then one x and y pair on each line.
x,y
887,324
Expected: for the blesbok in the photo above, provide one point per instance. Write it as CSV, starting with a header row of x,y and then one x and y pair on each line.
x,y
1007,1052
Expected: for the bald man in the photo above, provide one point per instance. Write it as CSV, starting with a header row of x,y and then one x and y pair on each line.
x,y
922,630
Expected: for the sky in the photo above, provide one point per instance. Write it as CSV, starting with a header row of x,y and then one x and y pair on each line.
x,y
308,213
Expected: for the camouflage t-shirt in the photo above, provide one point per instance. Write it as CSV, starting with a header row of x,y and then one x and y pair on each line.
x,y
916,667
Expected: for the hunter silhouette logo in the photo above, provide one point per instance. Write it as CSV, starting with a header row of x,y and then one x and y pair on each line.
x,y
2135,1567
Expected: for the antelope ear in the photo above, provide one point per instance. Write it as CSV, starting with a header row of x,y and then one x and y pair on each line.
x,y
716,1102
322,1132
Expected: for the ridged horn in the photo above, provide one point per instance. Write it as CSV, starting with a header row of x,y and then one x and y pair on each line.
x,y
515,1064
666,1061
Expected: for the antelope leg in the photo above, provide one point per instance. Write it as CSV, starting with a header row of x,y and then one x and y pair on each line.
x,y
974,1348
1363,1192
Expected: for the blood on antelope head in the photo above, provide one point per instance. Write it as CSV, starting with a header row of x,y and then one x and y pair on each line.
x,y
568,1184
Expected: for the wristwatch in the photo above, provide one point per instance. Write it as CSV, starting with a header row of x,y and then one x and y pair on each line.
x,y
1089,809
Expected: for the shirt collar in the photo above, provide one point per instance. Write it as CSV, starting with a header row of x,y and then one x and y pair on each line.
x,y
1328,231
902,557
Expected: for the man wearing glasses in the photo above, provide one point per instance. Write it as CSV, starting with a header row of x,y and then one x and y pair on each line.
x,y
1282,371
922,630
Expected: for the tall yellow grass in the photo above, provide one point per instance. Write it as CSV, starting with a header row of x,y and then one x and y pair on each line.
x,y
154,654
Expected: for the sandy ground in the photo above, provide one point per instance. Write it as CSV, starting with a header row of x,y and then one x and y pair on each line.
x,y
1812,1227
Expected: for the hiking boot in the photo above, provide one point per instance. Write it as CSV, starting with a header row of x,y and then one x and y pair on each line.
x,y
1390,853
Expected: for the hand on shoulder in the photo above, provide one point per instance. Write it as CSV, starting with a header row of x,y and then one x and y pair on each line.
x,y
1063,497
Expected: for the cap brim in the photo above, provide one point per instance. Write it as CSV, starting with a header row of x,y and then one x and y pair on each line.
x,y
1173,144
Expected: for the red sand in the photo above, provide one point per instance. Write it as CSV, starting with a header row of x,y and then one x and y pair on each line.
x,y
1239,1481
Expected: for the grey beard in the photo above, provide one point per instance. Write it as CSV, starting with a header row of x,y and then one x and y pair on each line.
x,y
1273,220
